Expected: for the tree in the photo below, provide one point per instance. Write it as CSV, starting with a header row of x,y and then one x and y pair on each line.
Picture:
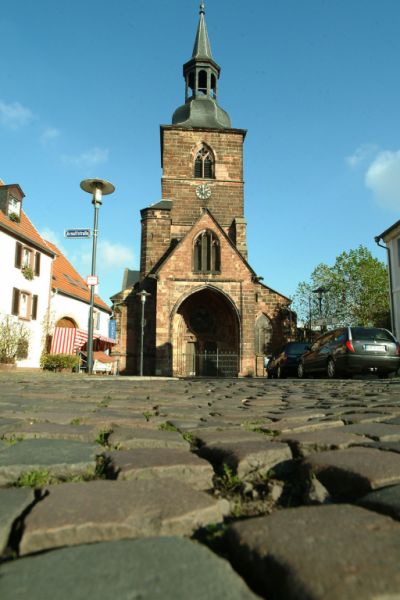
x,y
356,292
14,340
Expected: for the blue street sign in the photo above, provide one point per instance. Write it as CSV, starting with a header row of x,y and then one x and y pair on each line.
x,y
78,233
112,329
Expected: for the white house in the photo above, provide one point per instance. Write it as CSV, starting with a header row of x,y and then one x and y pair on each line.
x,y
69,311
25,270
41,289
391,237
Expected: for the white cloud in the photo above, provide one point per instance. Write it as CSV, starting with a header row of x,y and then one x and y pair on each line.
x,y
109,256
383,179
115,255
14,115
89,158
361,155
49,134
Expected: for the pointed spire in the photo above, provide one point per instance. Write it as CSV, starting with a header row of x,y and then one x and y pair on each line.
x,y
202,47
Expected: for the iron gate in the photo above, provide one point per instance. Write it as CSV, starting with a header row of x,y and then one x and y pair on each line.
x,y
209,364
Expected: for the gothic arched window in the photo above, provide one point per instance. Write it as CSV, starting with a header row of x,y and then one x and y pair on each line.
x,y
206,253
204,164
263,335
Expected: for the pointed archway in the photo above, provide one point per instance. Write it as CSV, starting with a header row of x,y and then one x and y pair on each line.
x,y
206,335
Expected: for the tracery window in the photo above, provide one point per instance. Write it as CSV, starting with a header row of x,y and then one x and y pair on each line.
x,y
207,255
204,164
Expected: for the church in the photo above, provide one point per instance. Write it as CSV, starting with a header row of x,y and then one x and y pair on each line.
x,y
197,308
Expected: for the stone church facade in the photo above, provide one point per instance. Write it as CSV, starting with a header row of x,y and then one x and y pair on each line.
x,y
206,311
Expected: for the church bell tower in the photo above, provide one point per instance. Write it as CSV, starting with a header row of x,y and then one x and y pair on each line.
x,y
207,313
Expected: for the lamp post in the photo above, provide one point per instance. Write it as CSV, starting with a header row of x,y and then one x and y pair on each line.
x,y
320,291
98,188
143,297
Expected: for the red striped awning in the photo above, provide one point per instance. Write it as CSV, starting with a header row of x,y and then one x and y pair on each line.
x,y
63,340
68,340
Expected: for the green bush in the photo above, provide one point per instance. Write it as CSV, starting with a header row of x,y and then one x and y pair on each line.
x,y
14,340
59,362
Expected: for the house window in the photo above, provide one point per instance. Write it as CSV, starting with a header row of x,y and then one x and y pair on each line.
x,y
24,305
96,319
14,206
206,255
204,164
25,257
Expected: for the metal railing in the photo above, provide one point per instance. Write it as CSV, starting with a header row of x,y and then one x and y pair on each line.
x,y
209,364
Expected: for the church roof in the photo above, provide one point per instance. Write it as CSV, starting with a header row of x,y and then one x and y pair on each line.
x,y
202,47
201,73
173,248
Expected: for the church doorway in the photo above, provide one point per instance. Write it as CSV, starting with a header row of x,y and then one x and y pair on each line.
x,y
206,336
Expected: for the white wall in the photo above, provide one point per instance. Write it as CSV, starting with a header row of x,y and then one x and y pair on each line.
x,y
12,277
64,306
395,269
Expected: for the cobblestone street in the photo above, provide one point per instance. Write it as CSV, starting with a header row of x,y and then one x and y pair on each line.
x,y
200,489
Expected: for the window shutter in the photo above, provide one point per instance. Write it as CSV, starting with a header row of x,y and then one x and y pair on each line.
x,y
18,255
15,302
37,263
34,307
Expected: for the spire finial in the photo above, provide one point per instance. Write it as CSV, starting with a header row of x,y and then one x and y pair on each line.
x,y
202,8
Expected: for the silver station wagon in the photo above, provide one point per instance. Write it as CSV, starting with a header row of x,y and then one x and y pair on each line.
x,y
351,350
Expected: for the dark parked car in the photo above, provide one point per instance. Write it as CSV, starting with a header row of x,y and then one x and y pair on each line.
x,y
285,361
350,350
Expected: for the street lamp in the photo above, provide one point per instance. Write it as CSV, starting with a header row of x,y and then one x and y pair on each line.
x,y
143,297
98,188
320,291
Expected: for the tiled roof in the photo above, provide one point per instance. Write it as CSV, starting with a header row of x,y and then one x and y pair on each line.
x,y
26,230
66,279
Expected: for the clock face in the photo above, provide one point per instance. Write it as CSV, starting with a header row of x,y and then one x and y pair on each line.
x,y
203,191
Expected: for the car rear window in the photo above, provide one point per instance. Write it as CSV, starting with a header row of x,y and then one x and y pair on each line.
x,y
297,347
370,333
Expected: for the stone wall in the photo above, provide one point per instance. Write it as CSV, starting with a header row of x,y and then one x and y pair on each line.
x,y
179,148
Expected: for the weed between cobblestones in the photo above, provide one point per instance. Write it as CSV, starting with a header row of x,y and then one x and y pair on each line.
x,y
12,439
41,477
167,427
102,437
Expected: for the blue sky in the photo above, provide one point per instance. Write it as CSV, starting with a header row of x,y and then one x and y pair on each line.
x,y
85,85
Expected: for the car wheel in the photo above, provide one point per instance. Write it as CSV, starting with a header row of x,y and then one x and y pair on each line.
x,y
279,373
300,371
331,369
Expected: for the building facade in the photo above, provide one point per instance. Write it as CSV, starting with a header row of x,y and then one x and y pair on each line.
x,y
391,237
25,273
41,291
206,311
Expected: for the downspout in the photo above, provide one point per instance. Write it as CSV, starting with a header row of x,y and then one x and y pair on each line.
x,y
392,319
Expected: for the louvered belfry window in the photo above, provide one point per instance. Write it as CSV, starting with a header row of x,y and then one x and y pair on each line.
x,y
207,256
204,164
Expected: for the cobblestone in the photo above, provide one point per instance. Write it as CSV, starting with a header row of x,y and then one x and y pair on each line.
x,y
89,462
